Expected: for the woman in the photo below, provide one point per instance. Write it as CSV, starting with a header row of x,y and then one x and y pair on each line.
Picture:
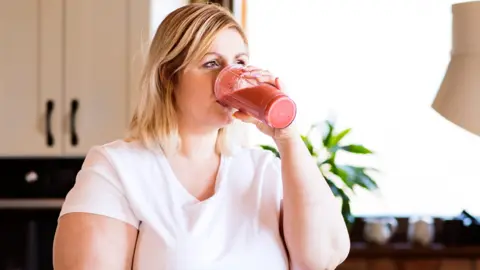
x,y
179,194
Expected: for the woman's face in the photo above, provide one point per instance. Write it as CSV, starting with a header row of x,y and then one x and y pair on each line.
x,y
198,108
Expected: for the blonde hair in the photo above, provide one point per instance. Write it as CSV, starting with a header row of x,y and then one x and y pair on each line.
x,y
185,35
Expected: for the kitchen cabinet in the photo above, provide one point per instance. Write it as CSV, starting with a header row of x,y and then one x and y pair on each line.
x,y
67,73
433,264
30,77
96,73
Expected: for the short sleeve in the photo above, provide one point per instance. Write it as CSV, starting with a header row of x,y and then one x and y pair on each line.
x,y
98,190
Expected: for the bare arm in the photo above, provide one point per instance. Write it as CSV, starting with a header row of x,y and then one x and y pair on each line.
x,y
90,241
314,230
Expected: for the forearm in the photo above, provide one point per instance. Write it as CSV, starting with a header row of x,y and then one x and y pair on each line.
x,y
314,229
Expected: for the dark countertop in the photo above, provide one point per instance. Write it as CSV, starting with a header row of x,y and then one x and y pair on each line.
x,y
408,251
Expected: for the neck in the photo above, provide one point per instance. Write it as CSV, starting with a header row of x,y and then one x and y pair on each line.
x,y
197,145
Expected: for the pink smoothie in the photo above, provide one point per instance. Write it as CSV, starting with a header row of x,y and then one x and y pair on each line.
x,y
264,102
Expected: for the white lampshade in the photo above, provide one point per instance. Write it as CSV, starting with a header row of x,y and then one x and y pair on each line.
x,y
458,99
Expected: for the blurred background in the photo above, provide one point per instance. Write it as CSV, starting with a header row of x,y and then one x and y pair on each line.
x,y
68,76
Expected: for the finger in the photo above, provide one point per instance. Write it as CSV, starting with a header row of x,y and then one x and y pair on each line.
x,y
260,73
270,79
262,76
275,81
279,84
251,69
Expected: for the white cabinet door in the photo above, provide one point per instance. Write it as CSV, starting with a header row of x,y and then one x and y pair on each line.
x,y
30,77
96,73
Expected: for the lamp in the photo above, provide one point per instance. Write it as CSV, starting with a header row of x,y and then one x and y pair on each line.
x,y
458,99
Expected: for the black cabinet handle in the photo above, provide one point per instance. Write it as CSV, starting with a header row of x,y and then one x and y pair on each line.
x,y
48,128
73,116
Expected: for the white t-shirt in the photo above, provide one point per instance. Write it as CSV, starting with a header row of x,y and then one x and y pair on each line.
x,y
236,228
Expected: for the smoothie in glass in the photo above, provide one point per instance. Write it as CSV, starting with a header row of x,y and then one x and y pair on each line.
x,y
265,102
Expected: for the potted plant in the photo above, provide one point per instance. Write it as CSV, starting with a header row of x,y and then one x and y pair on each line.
x,y
343,179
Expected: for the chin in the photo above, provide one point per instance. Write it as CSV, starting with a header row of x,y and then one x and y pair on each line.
x,y
224,115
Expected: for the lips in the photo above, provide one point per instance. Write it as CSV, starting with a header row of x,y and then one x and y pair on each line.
x,y
224,105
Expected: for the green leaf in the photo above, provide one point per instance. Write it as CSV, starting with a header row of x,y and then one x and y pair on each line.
x,y
328,135
337,192
347,213
272,149
309,145
343,195
355,176
367,182
356,148
345,175
337,138
346,210
326,161
370,169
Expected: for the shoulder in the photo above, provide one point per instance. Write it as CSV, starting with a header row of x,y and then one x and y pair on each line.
x,y
126,164
121,148
105,185
118,153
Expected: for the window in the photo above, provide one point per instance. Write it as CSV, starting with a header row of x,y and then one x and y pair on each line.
x,y
376,65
